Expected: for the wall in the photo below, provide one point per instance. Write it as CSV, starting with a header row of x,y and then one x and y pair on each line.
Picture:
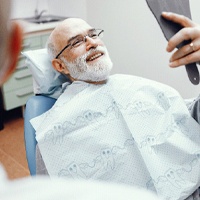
x,y
26,8
136,43
69,8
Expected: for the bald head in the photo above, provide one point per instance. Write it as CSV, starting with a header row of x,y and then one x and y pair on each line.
x,y
77,51
63,32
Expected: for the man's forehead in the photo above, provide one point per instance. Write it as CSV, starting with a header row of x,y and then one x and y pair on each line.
x,y
74,21
67,29
75,26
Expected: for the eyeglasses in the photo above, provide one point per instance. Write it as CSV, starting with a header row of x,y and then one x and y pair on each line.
x,y
77,41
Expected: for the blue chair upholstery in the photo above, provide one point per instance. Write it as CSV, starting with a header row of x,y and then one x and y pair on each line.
x,y
35,106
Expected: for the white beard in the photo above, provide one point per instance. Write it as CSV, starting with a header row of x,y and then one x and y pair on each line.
x,y
99,71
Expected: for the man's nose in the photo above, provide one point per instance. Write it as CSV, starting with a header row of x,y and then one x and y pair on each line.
x,y
90,43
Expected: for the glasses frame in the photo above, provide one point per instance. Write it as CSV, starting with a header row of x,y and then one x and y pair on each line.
x,y
100,31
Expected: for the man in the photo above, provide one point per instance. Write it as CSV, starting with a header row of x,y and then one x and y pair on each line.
x,y
114,128
42,187
93,51
10,42
10,47
186,54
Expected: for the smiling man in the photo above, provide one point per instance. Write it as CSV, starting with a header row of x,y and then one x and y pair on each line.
x,y
33,188
119,128
82,55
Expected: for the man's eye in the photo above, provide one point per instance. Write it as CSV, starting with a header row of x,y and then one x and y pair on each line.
x,y
76,43
93,35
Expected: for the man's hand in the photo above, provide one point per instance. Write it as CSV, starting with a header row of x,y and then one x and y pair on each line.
x,y
189,53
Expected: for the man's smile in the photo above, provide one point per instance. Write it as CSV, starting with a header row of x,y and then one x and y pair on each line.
x,y
94,56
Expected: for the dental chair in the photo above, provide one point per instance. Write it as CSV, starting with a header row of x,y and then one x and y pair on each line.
x,y
35,106
47,86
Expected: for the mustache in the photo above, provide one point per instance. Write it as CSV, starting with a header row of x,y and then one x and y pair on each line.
x,y
97,49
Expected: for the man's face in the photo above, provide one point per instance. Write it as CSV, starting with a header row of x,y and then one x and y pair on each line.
x,y
98,69
89,61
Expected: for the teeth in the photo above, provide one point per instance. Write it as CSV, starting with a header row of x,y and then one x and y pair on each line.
x,y
95,56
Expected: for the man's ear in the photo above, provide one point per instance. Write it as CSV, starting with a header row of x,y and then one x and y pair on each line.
x,y
59,66
14,47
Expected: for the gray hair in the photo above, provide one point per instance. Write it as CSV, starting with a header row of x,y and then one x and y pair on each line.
x,y
51,49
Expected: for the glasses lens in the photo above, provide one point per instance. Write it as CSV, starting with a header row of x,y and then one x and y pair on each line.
x,y
93,34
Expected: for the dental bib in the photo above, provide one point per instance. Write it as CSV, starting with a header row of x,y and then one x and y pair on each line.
x,y
130,130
